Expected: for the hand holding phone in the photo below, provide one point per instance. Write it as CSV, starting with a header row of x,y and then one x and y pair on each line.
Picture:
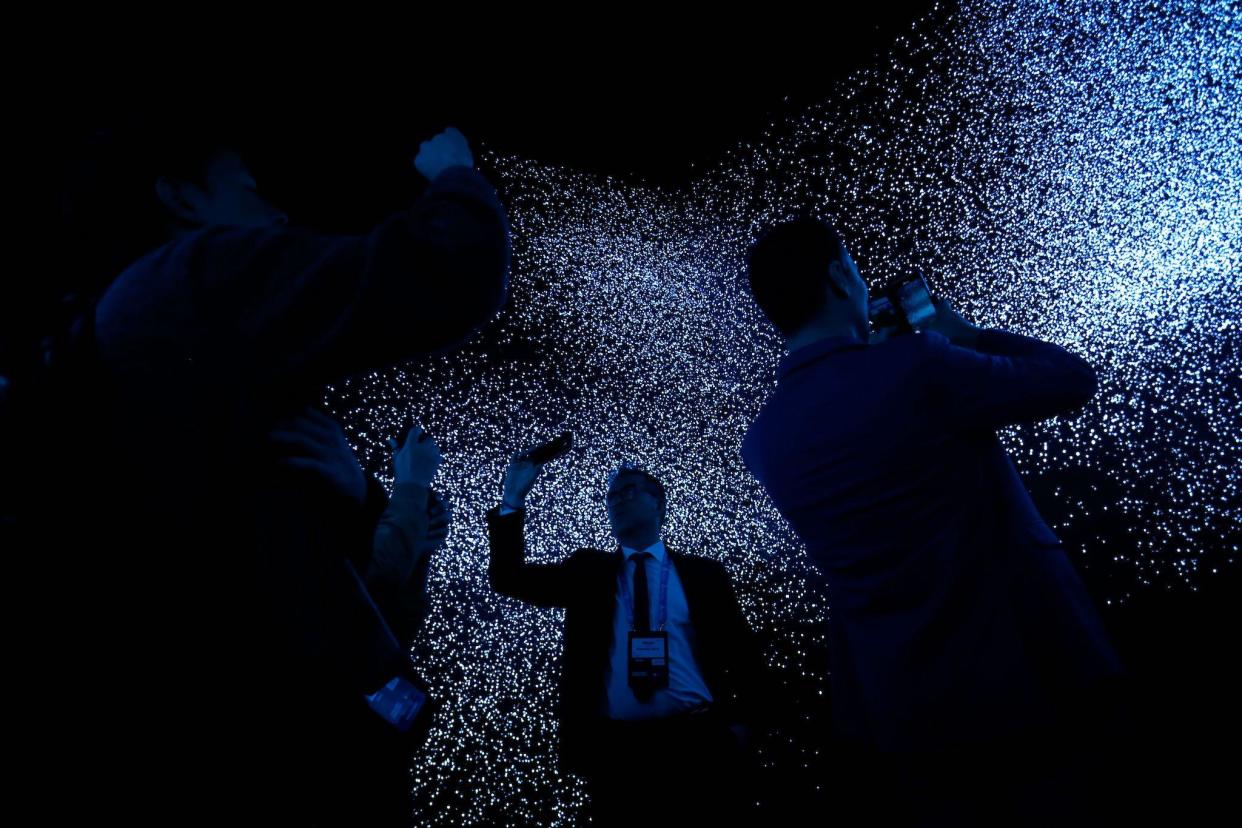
x,y
416,458
904,306
526,465
549,451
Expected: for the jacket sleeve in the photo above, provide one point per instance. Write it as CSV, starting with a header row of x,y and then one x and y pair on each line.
x,y
545,585
748,678
1006,379
396,573
286,305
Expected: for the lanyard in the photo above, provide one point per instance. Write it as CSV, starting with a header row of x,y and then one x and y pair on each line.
x,y
628,602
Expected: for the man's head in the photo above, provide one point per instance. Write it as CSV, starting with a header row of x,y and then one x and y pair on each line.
x,y
636,505
224,194
133,188
801,274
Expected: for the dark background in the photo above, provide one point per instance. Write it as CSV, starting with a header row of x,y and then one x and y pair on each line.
x,y
641,99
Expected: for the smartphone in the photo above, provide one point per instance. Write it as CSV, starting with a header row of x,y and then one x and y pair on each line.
x,y
916,302
905,305
398,702
400,438
550,450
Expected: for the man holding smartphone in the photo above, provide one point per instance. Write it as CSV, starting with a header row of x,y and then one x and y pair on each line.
x,y
661,671
960,632
225,630
372,627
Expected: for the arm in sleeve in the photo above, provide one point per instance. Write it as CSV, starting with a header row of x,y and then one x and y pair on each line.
x,y
749,679
396,574
282,305
1006,379
545,585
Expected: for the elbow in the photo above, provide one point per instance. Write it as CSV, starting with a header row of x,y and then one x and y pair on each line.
x,y
1083,384
486,287
469,244
497,580
475,280
487,271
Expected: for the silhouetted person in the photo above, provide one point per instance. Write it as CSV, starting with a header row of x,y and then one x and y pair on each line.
x,y
225,617
393,563
659,737
960,633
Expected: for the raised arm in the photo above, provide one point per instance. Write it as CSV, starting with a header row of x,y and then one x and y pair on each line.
x,y
987,379
287,306
547,585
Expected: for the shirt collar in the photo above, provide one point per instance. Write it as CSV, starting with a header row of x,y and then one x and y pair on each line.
x,y
656,550
815,351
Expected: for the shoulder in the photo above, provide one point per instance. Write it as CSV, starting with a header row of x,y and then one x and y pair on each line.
x,y
700,566
909,356
753,442
591,565
169,280
916,345
751,438
929,341
591,557
222,257
928,346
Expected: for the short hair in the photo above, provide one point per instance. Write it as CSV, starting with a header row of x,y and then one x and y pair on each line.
x,y
787,268
633,468
110,212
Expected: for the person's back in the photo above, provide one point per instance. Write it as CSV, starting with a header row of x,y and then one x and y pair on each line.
x,y
234,635
955,612
963,643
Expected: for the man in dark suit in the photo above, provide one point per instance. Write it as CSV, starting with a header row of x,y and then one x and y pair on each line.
x,y
232,624
373,629
959,627
660,668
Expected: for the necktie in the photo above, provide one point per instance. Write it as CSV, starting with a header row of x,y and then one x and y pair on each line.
x,y
642,609
642,601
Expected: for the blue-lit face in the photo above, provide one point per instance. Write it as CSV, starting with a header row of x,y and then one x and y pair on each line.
x,y
856,293
229,197
859,290
633,505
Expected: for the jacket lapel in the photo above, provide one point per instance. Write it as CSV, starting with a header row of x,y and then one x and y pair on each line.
x,y
691,584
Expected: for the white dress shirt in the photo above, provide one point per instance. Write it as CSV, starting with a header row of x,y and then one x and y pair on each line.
x,y
686,689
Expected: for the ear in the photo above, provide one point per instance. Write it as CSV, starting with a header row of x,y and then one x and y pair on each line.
x,y
838,280
177,199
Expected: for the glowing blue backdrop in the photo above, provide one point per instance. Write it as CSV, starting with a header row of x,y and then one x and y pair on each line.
x,y
1071,171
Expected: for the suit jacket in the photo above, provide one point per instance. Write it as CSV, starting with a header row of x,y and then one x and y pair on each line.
x,y
399,524
224,612
585,584
956,615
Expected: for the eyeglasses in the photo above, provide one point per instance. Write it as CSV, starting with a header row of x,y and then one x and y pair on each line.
x,y
617,493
